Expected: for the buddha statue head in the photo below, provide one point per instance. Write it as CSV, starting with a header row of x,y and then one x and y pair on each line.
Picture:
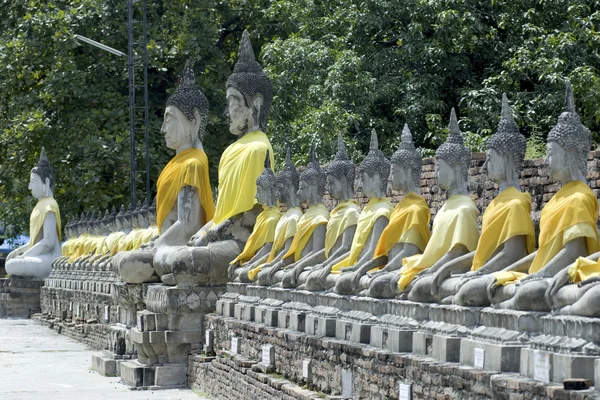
x,y
249,93
120,219
340,173
288,182
104,223
98,224
312,181
42,178
453,160
186,114
407,165
374,170
506,150
266,185
79,225
111,225
143,216
568,144
152,213
135,215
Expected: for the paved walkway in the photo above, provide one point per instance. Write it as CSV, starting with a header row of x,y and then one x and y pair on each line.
x,y
37,363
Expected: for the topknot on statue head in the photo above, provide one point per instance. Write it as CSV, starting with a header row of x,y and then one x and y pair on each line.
x,y
313,174
341,165
267,178
408,156
376,162
44,170
453,150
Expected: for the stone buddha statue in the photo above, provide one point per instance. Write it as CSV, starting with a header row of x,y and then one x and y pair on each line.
x,y
507,232
220,241
259,244
372,220
454,232
184,195
288,183
311,229
35,258
567,223
342,220
407,232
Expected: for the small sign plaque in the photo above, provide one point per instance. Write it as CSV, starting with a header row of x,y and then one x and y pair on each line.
x,y
140,323
70,306
267,350
478,357
78,310
404,391
107,313
347,383
541,366
306,369
235,344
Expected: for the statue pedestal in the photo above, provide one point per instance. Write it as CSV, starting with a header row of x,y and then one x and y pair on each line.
x,y
20,296
166,333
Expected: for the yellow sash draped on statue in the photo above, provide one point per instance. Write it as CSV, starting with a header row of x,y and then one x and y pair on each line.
x,y
79,247
504,278
150,233
374,209
583,269
38,215
114,240
262,233
188,168
507,216
67,247
454,224
241,164
409,223
315,216
344,215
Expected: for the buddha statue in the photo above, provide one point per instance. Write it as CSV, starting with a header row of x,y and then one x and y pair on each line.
x,y
115,240
342,220
454,231
507,232
210,251
311,230
288,183
184,195
260,242
372,220
407,232
35,258
567,223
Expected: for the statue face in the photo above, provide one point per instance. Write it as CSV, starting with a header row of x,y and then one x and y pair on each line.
x,y
400,176
557,162
264,195
494,166
335,186
238,112
176,128
445,174
36,186
371,185
306,191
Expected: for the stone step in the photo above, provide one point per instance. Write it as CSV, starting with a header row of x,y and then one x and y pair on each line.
x,y
105,365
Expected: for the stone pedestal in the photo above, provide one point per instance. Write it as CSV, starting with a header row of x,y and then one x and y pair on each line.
x,y
20,296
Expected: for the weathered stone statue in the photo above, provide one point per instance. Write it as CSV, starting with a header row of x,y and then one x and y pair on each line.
x,y
567,223
260,242
249,97
288,183
311,230
454,232
184,195
35,258
407,233
507,232
346,271
342,220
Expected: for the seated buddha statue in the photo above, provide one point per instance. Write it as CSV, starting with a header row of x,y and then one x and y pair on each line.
x,y
567,222
184,196
407,232
67,247
342,219
507,232
206,259
108,228
94,242
35,258
372,220
454,231
259,244
116,240
288,183
310,233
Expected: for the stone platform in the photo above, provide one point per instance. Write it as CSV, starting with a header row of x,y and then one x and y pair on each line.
x,y
19,296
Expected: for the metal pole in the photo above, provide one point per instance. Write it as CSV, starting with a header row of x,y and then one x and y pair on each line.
x,y
131,103
146,138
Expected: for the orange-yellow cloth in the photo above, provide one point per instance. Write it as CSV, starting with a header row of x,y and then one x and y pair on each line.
x,y
67,246
583,269
315,216
507,216
241,164
38,216
188,168
409,223
112,242
79,246
262,233
375,209
150,233
504,278
344,215
454,224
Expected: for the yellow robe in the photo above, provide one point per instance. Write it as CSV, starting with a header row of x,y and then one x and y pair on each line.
x,y
241,164
507,216
314,217
79,246
67,247
113,242
374,209
263,232
38,216
583,269
150,233
454,224
344,215
188,168
409,223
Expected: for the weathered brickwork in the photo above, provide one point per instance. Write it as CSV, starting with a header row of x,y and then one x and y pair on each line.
x,y
94,335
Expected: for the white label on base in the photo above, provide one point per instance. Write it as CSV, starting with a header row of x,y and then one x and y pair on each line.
x,y
404,391
541,366
78,310
347,383
266,354
208,338
140,324
305,369
70,306
235,343
106,313
478,357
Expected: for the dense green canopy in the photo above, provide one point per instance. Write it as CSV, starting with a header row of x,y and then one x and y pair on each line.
x,y
345,66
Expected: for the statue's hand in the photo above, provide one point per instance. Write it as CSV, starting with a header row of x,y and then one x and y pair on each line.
x,y
491,289
230,270
394,281
375,273
471,275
